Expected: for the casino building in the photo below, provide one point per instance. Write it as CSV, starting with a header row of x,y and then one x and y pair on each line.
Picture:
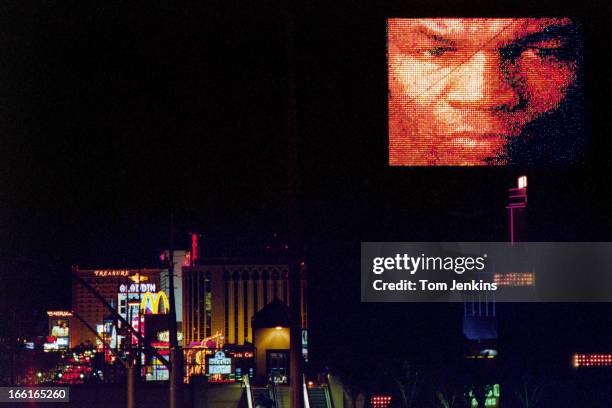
x,y
241,306
232,306
122,288
221,295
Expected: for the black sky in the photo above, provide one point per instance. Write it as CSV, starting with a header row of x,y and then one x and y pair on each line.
x,y
114,116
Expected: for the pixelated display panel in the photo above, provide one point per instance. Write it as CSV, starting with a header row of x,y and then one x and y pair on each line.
x,y
482,91
60,328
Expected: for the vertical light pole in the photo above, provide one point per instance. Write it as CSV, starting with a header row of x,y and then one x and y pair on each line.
x,y
12,344
131,398
295,334
295,331
176,354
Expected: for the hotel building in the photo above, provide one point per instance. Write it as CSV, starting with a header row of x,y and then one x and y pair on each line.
x,y
221,295
109,283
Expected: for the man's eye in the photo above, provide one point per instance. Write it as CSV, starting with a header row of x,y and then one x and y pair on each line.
x,y
511,52
437,51
548,48
543,49
548,52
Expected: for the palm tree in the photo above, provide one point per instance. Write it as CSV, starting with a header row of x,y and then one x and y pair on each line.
x,y
407,383
528,393
446,399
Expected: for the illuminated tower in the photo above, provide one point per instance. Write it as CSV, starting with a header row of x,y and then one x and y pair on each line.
x,y
479,311
480,315
516,211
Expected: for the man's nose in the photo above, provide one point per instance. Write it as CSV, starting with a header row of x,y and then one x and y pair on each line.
x,y
480,83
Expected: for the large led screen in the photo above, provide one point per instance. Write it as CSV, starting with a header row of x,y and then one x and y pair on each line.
x,y
484,91
59,327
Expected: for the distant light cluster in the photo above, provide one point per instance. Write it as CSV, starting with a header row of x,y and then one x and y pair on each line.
x,y
592,360
514,279
380,401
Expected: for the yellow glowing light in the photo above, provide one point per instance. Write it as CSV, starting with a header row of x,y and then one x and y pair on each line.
x,y
514,279
111,272
155,299
138,278
279,328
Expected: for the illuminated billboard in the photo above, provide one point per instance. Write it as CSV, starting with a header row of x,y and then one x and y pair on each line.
x,y
219,364
59,329
484,91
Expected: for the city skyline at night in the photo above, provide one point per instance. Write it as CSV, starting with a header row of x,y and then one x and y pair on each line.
x,y
253,139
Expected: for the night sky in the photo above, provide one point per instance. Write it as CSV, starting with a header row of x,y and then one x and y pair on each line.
x,y
113,117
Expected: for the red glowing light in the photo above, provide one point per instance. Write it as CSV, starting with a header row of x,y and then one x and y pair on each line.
x,y
194,247
380,401
592,360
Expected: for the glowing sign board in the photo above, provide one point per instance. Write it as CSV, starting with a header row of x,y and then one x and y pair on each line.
x,y
151,301
219,364
137,288
62,342
164,336
138,278
305,345
111,272
59,329
59,313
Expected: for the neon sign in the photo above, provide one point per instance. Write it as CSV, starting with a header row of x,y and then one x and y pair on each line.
x,y
137,288
164,336
219,364
111,272
194,247
151,301
59,313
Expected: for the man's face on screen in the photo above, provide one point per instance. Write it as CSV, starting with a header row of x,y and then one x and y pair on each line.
x,y
461,89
